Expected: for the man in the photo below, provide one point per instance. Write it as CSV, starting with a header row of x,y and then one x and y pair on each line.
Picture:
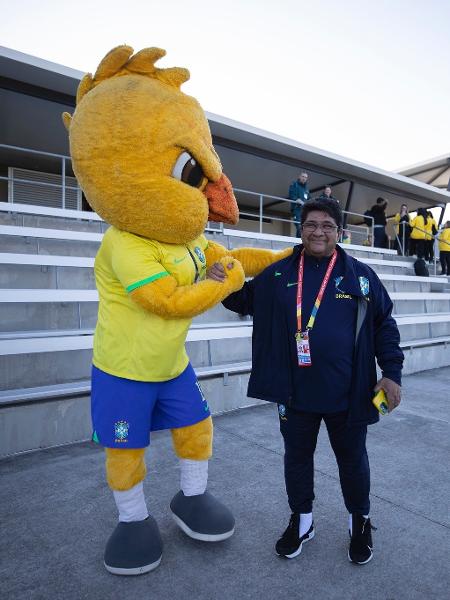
x,y
378,212
299,194
327,194
320,319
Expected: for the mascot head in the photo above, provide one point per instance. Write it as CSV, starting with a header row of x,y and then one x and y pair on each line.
x,y
142,150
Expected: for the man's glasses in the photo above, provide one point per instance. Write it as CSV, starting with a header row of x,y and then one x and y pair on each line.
x,y
311,226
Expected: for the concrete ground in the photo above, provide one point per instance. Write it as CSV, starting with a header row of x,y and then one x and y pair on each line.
x,y
57,513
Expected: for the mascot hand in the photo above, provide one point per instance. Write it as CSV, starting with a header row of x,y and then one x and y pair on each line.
x,y
234,274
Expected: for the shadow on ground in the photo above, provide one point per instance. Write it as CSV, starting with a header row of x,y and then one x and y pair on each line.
x,y
57,513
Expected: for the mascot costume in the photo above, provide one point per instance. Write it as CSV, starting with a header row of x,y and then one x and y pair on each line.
x,y
142,152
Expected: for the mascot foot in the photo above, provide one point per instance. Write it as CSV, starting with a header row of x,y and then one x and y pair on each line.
x,y
202,517
134,548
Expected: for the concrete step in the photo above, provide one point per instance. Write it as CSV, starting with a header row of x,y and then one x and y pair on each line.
x,y
43,360
22,276
420,326
52,271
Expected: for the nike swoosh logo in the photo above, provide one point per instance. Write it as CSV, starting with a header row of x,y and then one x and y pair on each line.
x,y
277,273
178,260
291,284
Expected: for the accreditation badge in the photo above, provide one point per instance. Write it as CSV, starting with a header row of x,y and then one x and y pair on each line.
x,y
303,348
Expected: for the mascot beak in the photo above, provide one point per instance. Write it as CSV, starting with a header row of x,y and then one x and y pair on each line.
x,y
223,207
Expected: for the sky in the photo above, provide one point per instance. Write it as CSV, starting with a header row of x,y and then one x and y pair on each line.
x,y
369,80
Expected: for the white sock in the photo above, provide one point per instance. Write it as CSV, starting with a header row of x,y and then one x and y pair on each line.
x,y
305,523
131,504
350,527
194,476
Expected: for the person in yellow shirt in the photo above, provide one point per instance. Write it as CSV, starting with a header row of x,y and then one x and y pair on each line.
x,y
444,249
419,232
431,228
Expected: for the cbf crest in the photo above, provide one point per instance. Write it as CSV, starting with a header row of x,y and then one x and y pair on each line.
x,y
282,412
364,285
199,252
121,429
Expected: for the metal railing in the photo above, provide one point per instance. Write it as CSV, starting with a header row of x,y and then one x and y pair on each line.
x,y
366,232
436,240
63,186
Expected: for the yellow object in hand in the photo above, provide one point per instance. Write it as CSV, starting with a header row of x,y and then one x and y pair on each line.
x,y
380,402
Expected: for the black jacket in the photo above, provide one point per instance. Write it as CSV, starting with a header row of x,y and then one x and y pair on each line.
x,y
273,344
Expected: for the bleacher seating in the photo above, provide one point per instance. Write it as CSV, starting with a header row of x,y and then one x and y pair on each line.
x,y
49,305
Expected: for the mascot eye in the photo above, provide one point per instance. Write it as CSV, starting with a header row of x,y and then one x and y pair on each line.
x,y
188,170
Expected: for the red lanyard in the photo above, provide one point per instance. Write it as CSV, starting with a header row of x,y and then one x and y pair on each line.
x,y
319,295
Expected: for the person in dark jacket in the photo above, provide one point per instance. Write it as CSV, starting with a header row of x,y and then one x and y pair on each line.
x,y
327,194
321,319
378,212
298,194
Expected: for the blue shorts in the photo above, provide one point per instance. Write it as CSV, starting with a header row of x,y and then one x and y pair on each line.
x,y
124,411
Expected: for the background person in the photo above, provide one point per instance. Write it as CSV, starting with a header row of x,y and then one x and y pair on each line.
x,y
378,212
431,229
444,249
419,232
402,230
315,357
299,193
327,194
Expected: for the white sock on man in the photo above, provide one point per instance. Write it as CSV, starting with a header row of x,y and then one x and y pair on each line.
x,y
194,476
131,504
350,527
305,523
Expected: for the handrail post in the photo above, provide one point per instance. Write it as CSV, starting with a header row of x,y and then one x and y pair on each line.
x,y
260,213
63,175
10,185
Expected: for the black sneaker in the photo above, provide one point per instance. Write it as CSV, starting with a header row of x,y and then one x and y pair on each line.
x,y
360,549
290,543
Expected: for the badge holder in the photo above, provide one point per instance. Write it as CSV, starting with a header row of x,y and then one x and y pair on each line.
x,y
303,348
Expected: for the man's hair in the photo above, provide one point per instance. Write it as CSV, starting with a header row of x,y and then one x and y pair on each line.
x,y
381,200
303,173
331,207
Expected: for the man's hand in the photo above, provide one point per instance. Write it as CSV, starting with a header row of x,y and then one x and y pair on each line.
x,y
392,390
217,272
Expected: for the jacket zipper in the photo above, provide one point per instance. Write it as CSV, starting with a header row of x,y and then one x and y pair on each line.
x,y
197,274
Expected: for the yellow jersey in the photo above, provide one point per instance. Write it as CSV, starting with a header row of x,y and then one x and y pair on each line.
x,y
419,234
445,237
429,228
129,341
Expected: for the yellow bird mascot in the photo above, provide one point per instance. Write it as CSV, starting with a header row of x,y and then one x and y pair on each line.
x,y
143,155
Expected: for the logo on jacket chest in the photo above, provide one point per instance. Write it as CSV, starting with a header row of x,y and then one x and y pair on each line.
x,y
340,294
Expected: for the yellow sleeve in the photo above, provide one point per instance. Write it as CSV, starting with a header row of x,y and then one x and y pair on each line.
x,y
136,262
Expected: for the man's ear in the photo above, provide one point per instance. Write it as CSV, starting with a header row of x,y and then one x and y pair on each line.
x,y
67,119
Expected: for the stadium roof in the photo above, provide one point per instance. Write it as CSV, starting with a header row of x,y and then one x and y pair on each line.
x,y
256,160
435,172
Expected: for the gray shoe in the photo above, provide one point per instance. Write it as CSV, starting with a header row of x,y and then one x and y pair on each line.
x,y
134,548
202,517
